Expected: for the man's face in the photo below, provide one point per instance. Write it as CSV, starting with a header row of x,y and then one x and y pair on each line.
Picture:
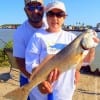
x,y
34,11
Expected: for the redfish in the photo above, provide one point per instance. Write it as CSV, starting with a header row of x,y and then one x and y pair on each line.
x,y
70,57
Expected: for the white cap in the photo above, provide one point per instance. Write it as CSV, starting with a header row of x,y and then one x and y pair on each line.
x,y
28,1
56,4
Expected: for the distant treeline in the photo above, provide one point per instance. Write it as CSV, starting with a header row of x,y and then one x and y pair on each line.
x,y
14,26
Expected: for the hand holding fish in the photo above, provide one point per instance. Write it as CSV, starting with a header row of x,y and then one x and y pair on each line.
x,y
90,40
46,86
53,76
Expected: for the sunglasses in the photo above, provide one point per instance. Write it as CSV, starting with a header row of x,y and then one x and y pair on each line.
x,y
32,8
57,14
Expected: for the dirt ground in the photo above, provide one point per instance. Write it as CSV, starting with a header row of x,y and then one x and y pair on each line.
x,y
88,87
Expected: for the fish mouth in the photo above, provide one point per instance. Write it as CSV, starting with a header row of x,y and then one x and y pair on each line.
x,y
83,47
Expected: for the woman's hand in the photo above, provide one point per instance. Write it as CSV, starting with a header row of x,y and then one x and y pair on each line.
x,y
46,86
77,76
53,76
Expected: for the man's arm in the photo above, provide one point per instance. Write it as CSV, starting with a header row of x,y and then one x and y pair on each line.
x,y
21,65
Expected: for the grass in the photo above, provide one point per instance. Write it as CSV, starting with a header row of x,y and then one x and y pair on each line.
x,y
3,58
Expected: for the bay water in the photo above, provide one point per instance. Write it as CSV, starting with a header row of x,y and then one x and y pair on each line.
x,y
7,35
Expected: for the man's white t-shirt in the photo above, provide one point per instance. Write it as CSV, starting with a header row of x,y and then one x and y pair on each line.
x,y
21,38
41,44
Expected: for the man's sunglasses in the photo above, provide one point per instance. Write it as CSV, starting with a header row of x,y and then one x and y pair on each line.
x,y
57,14
32,8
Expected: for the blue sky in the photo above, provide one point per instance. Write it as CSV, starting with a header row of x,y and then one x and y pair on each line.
x,y
83,11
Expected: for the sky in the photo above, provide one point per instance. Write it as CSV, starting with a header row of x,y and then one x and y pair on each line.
x,y
85,12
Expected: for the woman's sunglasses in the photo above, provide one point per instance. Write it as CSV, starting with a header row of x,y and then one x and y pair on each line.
x,y
32,8
57,14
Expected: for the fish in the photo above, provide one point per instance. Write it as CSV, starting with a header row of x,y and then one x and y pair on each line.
x,y
69,57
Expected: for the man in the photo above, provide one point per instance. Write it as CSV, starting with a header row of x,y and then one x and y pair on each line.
x,y
34,10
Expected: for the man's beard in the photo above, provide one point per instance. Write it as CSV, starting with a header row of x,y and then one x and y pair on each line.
x,y
36,19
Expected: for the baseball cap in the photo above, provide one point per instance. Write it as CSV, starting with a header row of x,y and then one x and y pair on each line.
x,y
28,1
56,4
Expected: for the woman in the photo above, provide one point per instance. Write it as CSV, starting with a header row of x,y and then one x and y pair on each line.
x,y
48,42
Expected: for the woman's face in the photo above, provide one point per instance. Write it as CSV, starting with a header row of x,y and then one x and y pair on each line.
x,y
55,19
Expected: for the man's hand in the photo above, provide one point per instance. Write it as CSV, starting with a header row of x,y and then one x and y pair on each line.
x,y
46,86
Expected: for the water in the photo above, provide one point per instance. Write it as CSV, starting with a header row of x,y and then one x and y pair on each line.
x,y
7,35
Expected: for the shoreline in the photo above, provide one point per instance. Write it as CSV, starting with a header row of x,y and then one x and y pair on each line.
x,y
77,30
